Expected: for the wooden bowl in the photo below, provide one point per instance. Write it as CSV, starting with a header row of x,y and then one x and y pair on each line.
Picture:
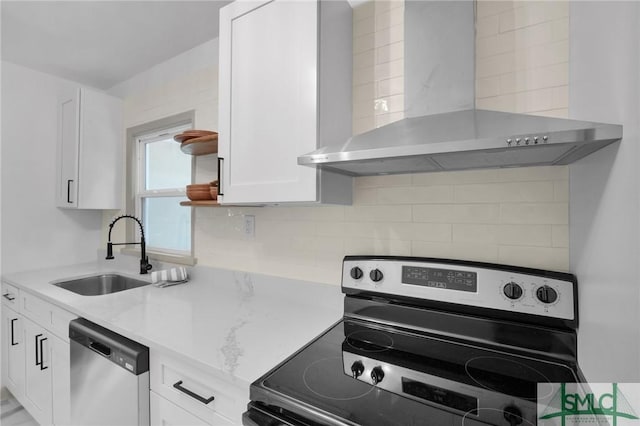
x,y
199,191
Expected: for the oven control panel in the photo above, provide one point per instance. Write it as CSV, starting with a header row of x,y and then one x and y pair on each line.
x,y
470,401
509,289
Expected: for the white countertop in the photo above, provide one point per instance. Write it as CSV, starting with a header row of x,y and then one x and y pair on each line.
x,y
232,323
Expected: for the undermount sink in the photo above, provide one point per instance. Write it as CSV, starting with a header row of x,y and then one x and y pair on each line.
x,y
100,284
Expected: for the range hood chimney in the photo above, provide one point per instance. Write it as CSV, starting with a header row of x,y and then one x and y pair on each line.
x,y
443,130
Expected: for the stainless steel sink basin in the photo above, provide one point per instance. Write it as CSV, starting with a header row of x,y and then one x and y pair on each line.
x,y
100,284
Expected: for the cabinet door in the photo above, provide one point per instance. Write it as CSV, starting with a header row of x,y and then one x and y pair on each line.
x,y
60,380
268,100
68,139
37,383
166,413
101,139
13,351
90,144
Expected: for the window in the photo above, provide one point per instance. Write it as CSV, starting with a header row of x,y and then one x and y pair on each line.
x,y
162,172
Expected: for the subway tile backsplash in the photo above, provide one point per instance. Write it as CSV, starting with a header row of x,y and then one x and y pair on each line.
x,y
522,56
511,216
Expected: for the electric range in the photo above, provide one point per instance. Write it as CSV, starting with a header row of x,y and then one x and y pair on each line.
x,y
428,341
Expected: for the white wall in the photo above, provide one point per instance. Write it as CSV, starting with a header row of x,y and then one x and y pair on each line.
x,y
604,211
36,234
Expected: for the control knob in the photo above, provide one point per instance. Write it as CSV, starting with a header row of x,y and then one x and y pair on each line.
x,y
357,368
377,375
356,273
376,275
512,290
546,294
512,414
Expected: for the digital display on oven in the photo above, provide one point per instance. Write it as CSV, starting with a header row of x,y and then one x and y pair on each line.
x,y
440,278
455,400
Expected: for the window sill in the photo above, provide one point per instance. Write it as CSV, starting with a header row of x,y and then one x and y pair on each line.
x,y
162,257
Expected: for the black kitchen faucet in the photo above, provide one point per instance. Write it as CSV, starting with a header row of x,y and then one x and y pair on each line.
x,y
144,260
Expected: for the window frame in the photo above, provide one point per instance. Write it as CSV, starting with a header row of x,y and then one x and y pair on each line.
x,y
137,137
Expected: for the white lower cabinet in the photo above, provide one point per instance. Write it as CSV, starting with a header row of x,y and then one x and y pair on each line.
x,y
12,351
37,373
36,357
166,413
197,394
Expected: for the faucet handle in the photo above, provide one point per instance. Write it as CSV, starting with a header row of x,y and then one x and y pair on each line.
x,y
109,251
145,266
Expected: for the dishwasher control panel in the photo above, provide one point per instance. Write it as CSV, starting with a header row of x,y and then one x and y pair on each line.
x,y
124,352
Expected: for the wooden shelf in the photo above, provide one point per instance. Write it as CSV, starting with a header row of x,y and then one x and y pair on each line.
x,y
214,203
200,146
208,203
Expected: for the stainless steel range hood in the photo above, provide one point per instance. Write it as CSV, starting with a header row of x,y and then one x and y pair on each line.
x,y
471,139
443,130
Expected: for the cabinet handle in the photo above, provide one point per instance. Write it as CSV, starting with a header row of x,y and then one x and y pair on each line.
x,y
12,342
8,296
220,160
42,366
69,191
36,346
191,393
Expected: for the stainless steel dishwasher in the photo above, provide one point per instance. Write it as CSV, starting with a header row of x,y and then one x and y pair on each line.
x,y
109,377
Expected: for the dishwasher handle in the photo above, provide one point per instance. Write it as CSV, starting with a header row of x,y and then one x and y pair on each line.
x,y
100,348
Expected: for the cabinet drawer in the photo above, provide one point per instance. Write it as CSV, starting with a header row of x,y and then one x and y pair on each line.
x,y
190,388
10,296
46,314
165,412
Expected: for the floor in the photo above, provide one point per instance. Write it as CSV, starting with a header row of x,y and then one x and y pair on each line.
x,y
13,414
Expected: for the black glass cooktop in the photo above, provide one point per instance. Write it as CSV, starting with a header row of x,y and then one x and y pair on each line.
x,y
421,380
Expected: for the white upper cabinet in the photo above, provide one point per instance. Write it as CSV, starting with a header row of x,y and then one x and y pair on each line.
x,y
90,142
285,90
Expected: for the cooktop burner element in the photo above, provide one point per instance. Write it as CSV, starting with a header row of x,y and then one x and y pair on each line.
x,y
317,381
429,342
489,373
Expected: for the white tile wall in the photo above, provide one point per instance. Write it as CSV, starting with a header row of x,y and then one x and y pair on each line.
x,y
522,56
509,216
378,47
517,216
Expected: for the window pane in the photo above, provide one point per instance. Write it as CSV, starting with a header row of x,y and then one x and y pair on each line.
x,y
166,166
167,225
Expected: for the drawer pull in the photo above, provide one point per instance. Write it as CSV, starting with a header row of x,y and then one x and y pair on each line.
x,y
8,296
192,394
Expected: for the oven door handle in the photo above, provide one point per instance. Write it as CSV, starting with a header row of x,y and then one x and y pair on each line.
x,y
255,416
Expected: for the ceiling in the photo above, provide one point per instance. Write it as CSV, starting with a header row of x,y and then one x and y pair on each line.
x,y
102,43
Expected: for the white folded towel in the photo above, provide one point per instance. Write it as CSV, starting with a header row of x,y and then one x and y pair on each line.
x,y
169,277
